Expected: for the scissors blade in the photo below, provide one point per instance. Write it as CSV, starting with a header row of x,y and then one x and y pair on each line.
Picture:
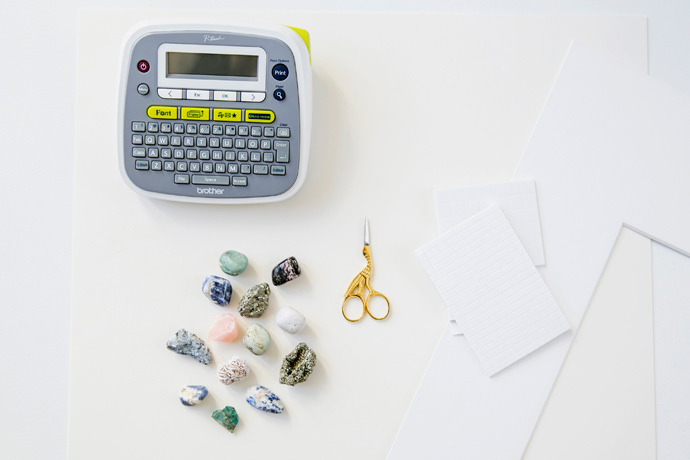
x,y
366,232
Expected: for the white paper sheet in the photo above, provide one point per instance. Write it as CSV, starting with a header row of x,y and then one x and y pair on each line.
x,y
671,352
517,200
492,289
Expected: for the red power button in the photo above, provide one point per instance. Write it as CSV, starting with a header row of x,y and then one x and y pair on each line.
x,y
143,66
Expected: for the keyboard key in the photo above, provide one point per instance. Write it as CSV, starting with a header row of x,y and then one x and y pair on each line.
x,y
240,143
245,169
142,165
283,132
178,154
227,143
166,127
269,131
230,155
169,165
214,142
261,169
255,157
152,127
217,130
182,178
178,128
265,144
191,154
278,170
204,129
198,94
243,131
230,130
162,140
149,140
233,168
191,128
137,139
239,181
153,152
204,154
194,166
268,157
242,156
207,167
217,155
175,141
182,166
200,179
253,144
220,167
139,152
166,153
256,131
188,141
138,126
156,165
282,151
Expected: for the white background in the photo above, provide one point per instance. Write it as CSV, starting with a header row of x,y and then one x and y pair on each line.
x,y
39,61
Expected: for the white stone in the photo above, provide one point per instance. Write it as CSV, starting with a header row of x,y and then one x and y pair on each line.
x,y
290,320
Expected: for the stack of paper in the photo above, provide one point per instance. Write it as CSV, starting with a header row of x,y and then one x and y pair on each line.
x,y
487,279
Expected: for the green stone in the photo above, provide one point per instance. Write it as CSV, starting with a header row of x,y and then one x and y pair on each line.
x,y
227,417
233,263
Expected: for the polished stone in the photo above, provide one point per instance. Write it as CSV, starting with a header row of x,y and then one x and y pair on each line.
x,y
290,320
233,263
264,399
217,289
256,339
191,395
285,271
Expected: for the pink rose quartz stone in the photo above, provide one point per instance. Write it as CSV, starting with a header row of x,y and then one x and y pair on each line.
x,y
225,329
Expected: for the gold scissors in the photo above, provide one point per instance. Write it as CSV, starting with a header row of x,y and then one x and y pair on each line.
x,y
361,281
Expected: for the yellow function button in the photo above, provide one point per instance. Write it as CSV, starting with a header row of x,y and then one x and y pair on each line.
x,y
259,116
195,113
164,112
227,114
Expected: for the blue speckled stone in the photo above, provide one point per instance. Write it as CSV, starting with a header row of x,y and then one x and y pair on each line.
x,y
264,399
217,289
191,395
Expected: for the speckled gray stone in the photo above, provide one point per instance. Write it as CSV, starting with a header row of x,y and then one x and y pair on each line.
x,y
255,301
297,365
186,343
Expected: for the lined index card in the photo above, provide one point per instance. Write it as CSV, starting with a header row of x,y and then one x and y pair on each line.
x,y
492,289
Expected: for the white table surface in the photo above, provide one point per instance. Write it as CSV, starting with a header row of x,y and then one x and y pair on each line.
x,y
37,185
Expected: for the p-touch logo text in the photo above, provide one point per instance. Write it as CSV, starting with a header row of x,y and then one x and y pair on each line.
x,y
209,191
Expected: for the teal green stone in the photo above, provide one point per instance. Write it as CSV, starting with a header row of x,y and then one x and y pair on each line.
x,y
233,263
227,417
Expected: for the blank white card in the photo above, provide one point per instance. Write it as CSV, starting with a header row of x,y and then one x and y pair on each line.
x,y
492,289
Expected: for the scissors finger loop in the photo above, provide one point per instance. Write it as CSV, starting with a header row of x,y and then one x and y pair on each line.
x,y
373,294
357,298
